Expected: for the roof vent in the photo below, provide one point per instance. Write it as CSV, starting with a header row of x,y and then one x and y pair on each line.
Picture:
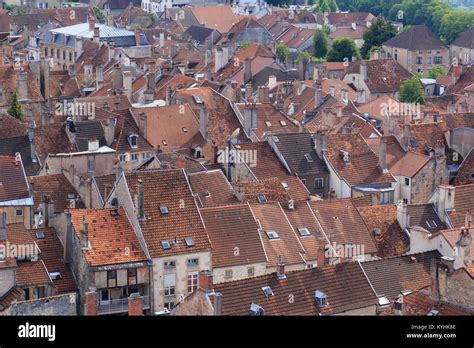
x,y
321,298
267,291
272,234
256,310
377,232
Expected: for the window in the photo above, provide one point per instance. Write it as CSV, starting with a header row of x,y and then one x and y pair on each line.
x,y
132,276
386,197
90,163
134,157
189,241
308,157
165,244
419,60
267,291
133,140
438,60
431,224
111,279
472,176
283,123
396,56
407,181
268,123
251,271
303,181
272,234
192,281
429,60
2,255
40,234
71,195
169,264
405,200
228,274
169,305
39,292
164,209
19,212
192,262
170,284
318,183
261,198
303,231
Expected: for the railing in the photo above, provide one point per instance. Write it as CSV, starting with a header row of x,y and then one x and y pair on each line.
x,y
119,305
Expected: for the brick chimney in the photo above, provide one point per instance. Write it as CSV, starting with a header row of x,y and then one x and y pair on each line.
x,y
85,233
263,94
203,121
138,38
247,70
90,303
281,268
91,21
383,154
140,200
143,124
205,281
135,305
117,79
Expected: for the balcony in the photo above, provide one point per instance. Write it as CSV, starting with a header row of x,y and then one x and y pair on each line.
x,y
119,305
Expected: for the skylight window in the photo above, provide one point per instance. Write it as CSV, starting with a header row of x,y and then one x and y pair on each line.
x,y
185,130
164,142
40,234
71,196
268,123
261,198
272,234
303,231
267,291
189,241
283,123
114,213
165,244
55,276
431,224
164,209
206,194
308,157
285,185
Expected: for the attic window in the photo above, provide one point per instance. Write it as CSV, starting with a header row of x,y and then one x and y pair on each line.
x,y
272,234
198,99
285,185
433,313
165,244
308,157
164,142
114,202
133,140
164,209
114,213
431,224
321,298
189,241
303,231
268,123
472,176
261,198
206,194
185,130
55,276
71,196
267,291
283,123
40,234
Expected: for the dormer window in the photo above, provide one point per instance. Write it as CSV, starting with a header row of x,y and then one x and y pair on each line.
x,y
133,140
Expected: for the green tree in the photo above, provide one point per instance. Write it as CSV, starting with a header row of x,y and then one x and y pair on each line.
x,y
282,52
411,91
455,22
333,6
15,107
435,72
343,49
99,14
379,32
320,44
324,6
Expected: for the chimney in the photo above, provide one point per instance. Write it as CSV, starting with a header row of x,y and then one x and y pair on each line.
x,y
218,59
360,96
464,244
143,124
99,77
318,97
399,305
319,144
87,74
162,39
247,70
85,233
140,200
135,305
93,144
173,51
448,263
315,74
248,91
110,20
217,303
109,130
345,95
363,70
445,201
205,281
91,21
250,117
434,278
127,84
281,268
272,82
68,238
138,37
406,136
149,93
3,225
22,85
117,79
96,33
263,94
169,95
403,217
302,67
90,303
204,121
383,154
332,91
225,55
31,138
207,57
79,47
354,26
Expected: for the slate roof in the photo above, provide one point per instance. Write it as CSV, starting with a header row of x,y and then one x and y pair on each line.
x,y
465,39
86,130
392,275
21,144
200,33
416,38
466,170
421,213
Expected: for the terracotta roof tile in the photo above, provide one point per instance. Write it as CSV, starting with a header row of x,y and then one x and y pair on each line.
x,y
32,273
212,188
221,18
466,170
426,135
13,183
11,127
421,214
112,238
296,37
272,189
463,202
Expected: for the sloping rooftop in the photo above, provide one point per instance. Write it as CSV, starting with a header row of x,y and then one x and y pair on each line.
x,y
13,183
417,38
212,188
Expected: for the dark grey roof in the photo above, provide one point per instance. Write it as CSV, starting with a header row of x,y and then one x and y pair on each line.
x,y
294,147
86,130
417,37
21,144
261,78
465,39
423,215
392,275
200,33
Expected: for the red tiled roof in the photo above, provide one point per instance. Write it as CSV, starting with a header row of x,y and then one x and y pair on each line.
x,y
11,127
32,273
212,188
466,170
112,238
296,37
13,184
